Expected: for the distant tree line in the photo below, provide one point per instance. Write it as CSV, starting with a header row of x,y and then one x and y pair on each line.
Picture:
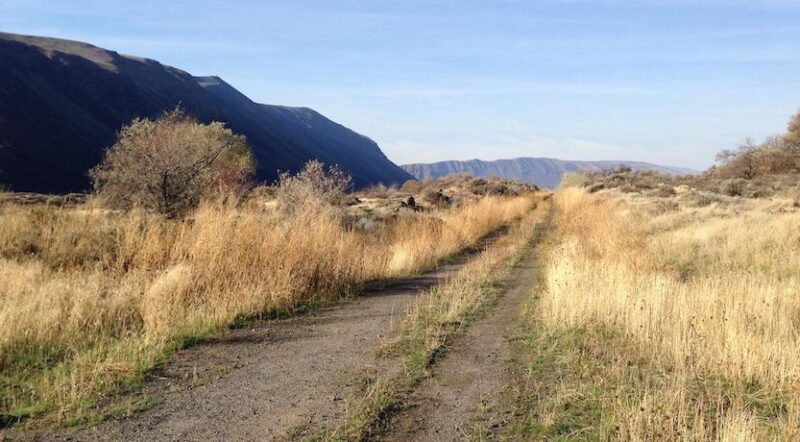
x,y
776,155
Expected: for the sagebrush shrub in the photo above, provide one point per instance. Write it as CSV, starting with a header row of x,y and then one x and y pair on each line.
x,y
734,186
168,164
312,187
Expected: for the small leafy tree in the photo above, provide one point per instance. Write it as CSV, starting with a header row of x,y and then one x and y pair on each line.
x,y
168,164
741,162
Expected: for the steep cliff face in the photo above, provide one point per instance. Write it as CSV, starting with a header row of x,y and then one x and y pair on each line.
x,y
544,172
62,103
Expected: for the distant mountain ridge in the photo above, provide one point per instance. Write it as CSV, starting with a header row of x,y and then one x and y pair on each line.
x,y
62,103
544,172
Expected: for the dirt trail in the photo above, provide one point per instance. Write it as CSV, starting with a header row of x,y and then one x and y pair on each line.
x,y
268,380
463,398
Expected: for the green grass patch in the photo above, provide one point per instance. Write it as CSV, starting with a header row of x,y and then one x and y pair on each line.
x,y
559,396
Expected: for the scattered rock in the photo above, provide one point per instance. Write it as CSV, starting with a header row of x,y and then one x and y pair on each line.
x,y
596,188
438,198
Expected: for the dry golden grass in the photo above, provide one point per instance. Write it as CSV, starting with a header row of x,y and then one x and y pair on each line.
x,y
90,299
706,297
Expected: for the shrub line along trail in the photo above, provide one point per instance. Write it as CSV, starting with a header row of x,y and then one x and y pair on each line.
x,y
267,380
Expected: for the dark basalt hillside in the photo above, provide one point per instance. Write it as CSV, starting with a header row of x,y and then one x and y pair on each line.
x,y
62,103
543,172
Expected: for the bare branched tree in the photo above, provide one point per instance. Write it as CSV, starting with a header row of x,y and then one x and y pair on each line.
x,y
740,162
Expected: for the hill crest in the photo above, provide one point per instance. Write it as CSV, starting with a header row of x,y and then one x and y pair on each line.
x,y
543,172
62,103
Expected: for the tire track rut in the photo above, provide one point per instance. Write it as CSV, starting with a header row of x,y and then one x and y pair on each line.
x,y
463,398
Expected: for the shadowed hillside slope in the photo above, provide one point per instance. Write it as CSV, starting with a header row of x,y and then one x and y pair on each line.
x,y
62,102
544,172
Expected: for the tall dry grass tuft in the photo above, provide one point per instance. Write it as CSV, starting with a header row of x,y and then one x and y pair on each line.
x,y
89,299
708,296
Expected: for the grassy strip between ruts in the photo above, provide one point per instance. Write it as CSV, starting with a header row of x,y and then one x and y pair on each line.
x,y
424,334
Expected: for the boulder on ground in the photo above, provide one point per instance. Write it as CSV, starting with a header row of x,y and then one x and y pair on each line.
x,y
409,202
438,198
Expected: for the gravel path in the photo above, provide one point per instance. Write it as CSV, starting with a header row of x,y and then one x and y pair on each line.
x,y
463,398
272,379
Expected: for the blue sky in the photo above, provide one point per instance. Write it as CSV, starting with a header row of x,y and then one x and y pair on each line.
x,y
665,81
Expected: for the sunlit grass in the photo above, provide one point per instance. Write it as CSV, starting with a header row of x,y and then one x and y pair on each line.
x,y
90,299
706,297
